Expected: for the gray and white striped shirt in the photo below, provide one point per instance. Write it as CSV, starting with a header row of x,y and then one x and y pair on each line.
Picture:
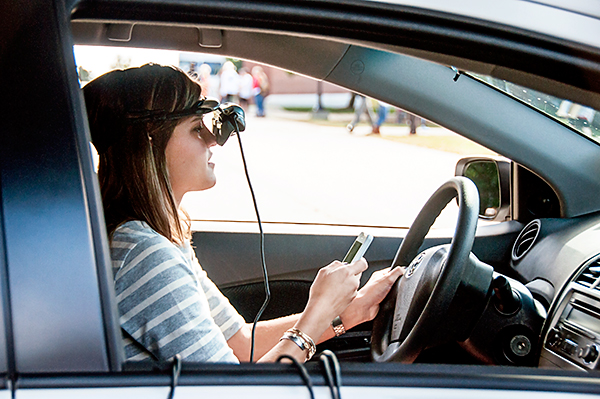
x,y
167,303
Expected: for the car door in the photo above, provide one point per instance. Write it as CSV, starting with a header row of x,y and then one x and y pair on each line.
x,y
60,325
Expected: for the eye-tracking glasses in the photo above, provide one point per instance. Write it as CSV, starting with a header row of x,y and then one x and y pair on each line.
x,y
219,119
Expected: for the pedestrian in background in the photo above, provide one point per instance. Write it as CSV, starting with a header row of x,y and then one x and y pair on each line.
x,y
246,85
204,79
412,122
192,71
360,108
230,83
382,111
261,89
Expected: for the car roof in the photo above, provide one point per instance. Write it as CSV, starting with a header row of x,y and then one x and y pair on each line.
x,y
576,21
551,49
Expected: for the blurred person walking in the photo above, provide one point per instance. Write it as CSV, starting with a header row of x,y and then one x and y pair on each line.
x,y
261,88
410,119
412,122
192,73
382,111
360,107
246,86
230,83
204,79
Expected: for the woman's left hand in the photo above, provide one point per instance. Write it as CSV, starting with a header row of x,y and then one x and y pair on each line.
x,y
365,305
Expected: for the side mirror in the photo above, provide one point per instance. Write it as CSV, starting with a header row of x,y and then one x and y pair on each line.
x,y
492,178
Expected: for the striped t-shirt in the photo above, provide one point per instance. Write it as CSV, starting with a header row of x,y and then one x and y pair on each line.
x,y
167,303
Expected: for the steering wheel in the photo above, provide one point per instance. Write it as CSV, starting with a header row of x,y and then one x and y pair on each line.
x,y
409,318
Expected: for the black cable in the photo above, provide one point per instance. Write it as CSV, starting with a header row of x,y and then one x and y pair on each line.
x,y
334,379
175,375
262,246
328,376
303,373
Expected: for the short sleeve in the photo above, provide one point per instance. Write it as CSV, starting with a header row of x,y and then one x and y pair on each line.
x,y
223,313
163,309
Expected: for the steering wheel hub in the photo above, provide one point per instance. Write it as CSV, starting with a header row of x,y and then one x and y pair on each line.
x,y
414,265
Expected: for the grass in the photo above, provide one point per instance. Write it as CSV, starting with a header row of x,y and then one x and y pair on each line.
x,y
310,109
449,143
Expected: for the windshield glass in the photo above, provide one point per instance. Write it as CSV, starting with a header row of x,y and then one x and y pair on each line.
x,y
584,119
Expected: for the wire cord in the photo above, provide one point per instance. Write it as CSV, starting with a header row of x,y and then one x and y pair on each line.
x,y
262,246
334,378
175,372
303,373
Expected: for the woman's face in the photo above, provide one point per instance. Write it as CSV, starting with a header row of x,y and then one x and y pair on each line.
x,y
188,155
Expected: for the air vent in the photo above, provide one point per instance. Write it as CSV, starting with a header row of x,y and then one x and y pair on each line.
x,y
590,274
526,239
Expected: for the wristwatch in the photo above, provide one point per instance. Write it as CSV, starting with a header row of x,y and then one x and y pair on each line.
x,y
338,326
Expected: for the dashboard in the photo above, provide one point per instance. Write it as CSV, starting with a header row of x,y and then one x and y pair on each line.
x,y
559,260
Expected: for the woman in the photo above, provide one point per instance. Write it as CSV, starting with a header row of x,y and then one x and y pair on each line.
x,y
261,89
246,86
229,86
153,149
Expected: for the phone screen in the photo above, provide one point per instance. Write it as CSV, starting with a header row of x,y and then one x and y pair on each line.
x,y
352,252
358,248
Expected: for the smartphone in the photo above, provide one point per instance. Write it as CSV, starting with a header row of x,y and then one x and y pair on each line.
x,y
358,248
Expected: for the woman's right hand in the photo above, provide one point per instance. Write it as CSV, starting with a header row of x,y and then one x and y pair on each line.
x,y
332,291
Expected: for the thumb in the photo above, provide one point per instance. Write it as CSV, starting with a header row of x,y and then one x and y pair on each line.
x,y
394,274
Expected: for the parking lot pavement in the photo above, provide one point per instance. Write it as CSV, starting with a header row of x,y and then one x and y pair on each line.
x,y
322,174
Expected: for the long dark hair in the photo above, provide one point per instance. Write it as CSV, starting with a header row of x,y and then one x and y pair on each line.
x,y
133,174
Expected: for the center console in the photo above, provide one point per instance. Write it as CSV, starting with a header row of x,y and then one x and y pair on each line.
x,y
573,339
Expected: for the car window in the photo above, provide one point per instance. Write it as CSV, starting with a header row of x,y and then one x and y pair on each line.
x,y
584,119
313,166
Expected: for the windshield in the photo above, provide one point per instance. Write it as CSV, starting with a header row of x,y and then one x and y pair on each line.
x,y
584,119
